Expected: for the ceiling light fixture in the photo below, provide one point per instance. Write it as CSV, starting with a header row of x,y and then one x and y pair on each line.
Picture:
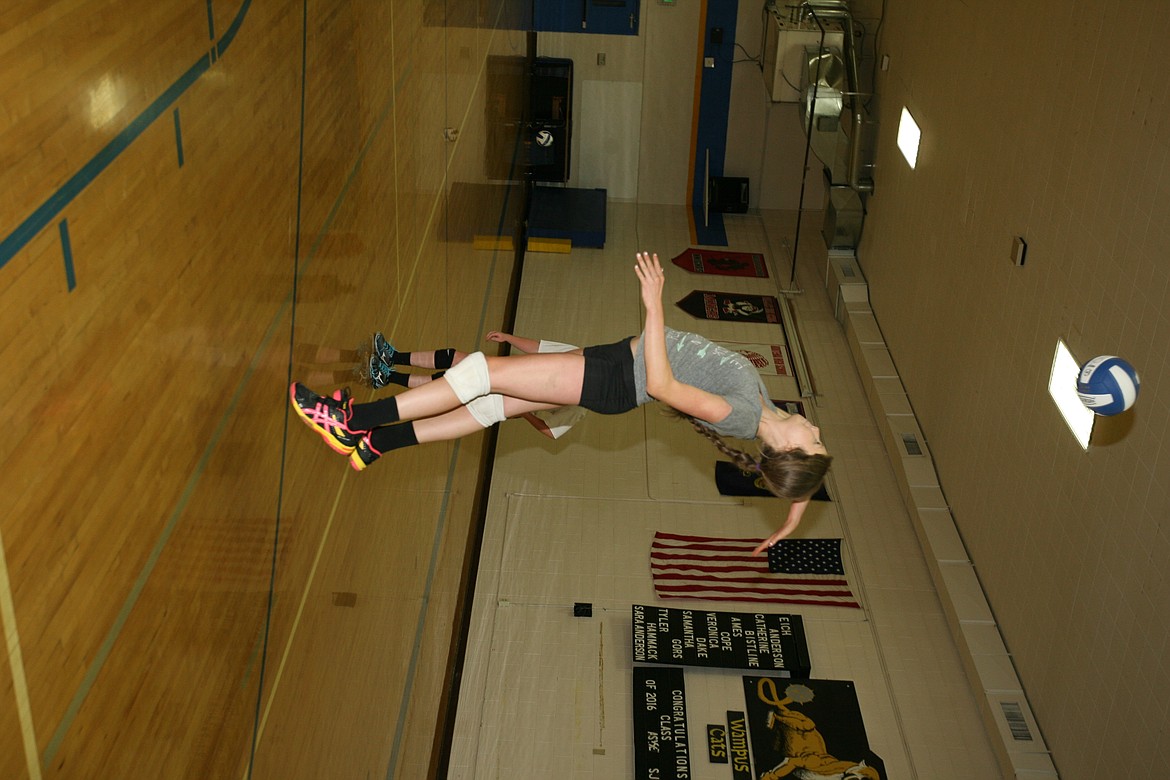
x,y
1062,386
908,137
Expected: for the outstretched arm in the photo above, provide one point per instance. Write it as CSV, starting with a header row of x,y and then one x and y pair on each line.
x,y
530,346
795,512
660,381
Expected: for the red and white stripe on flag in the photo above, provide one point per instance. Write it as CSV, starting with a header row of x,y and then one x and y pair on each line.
x,y
720,569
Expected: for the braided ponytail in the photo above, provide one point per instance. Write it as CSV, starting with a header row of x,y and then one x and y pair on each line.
x,y
792,474
744,460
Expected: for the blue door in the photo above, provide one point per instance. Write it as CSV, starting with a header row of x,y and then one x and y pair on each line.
x,y
610,17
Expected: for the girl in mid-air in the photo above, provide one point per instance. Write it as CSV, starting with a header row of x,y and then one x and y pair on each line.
x,y
719,391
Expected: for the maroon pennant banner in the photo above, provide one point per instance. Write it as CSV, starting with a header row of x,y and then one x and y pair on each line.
x,y
738,307
722,263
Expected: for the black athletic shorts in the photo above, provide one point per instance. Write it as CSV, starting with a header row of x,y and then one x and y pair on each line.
x,y
608,387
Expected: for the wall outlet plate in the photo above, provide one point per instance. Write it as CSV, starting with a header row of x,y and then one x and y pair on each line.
x,y
1019,251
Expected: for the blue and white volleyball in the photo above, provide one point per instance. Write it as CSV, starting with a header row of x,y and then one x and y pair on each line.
x,y
544,138
1108,385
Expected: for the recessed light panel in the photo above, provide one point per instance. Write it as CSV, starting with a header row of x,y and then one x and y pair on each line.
x,y
908,137
1062,386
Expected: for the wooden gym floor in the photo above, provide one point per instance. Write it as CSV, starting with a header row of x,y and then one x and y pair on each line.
x,y
195,198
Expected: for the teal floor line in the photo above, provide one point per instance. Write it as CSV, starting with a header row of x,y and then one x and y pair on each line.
x,y
48,211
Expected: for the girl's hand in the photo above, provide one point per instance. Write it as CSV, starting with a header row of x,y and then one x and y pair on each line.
x,y
651,277
496,336
795,512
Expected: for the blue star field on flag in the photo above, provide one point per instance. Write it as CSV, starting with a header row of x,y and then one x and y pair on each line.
x,y
806,556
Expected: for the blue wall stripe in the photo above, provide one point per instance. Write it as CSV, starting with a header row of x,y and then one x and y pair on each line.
x,y
178,138
210,23
52,208
67,250
714,107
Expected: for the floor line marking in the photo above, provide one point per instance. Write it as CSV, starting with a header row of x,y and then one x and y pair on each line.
x,y
67,251
13,243
179,138
440,528
272,691
16,666
420,624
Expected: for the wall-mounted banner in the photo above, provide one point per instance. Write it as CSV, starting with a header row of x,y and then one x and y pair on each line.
x,y
808,728
722,263
769,359
737,307
661,741
726,640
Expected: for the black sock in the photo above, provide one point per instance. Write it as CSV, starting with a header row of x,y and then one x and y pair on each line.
x,y
393,437
444,358
401,378
367,417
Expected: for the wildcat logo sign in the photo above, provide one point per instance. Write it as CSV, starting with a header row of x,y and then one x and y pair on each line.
x,y
808,730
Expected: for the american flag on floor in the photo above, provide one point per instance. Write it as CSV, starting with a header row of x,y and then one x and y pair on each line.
x,y
796,571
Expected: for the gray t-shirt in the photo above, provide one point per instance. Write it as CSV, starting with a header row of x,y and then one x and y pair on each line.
x,y
708,366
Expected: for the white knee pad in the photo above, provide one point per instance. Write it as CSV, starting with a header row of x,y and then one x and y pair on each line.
x,y
470,378
488,409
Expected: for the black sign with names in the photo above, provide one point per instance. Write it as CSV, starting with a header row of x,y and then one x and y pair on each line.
x,y
661,741
725,640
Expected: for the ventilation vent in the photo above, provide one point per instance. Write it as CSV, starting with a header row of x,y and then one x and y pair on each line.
x,y
1014,715
910,444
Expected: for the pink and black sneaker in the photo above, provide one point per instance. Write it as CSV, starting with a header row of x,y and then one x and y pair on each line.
x,y
327,416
